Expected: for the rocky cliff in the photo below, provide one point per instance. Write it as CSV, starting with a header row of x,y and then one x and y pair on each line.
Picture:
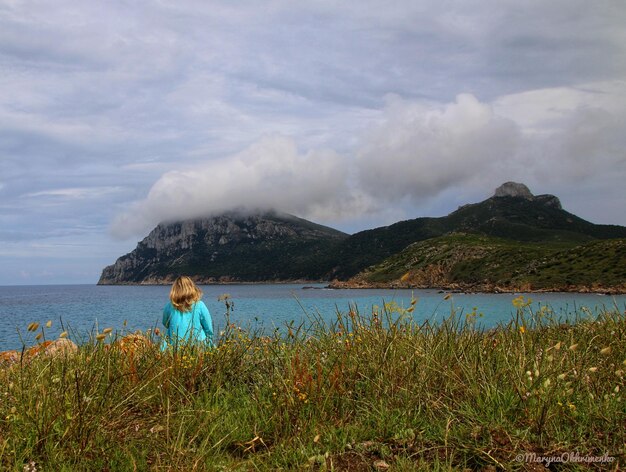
x,y
228,247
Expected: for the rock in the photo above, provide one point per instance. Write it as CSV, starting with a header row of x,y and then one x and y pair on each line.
x,y
381,465
55,348
513,189
8,358
132,343
549,201
60,347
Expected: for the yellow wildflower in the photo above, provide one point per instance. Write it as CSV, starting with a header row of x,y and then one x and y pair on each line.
x,y
606,351
33,326
63,335
49,324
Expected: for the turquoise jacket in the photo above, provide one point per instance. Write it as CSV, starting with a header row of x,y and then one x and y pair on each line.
x,y
185,327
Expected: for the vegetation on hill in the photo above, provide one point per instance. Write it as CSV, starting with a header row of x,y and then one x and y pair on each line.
x,y
361,393
516,219
475,262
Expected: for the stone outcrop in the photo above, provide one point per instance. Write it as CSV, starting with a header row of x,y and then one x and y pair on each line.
x,y
513,189
517,190
57,348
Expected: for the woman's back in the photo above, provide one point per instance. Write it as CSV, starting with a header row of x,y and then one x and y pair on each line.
x,y
186,317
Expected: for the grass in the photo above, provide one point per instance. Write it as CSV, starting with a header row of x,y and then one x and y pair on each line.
x,y
369,391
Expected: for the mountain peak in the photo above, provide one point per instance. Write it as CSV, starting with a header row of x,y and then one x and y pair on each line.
x,y
513,189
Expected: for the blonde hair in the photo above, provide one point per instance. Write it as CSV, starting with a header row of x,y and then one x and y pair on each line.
x,y
184,293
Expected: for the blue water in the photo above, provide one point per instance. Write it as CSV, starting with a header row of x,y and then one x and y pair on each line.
x,y
85,308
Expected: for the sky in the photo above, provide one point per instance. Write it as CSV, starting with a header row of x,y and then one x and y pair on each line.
x,y
117,115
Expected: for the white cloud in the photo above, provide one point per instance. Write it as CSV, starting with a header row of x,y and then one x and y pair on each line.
x,y
411,152
269,174
75,192
421,149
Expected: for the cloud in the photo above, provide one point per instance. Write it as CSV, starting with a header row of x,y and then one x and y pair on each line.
x,y
420,149
412,151
270,174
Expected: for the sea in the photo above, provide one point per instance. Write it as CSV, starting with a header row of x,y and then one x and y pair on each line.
x,y
84,310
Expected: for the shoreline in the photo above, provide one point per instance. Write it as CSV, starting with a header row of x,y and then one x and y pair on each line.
x,y
478,288
359,285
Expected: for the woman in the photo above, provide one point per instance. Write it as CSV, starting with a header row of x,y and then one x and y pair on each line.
x,y
186,317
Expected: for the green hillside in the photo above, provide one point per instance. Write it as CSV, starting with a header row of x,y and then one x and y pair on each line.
x,y
470,261
519,220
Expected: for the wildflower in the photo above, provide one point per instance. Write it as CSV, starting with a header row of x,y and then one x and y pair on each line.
x,y
33,326
616,390
63,335
100,337
522,329
536,372
316,438
49,324
606,351
547,383
573,347
447,297
561,376
557,346
529,373
107,330
593,369
39,336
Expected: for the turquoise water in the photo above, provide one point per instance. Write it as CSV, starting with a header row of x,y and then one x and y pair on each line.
x,y
85,308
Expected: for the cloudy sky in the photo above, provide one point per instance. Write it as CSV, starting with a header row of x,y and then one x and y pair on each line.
x,y
117,115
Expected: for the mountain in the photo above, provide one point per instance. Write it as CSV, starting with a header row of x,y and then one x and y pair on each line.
x,y
511,240
512,213
235,246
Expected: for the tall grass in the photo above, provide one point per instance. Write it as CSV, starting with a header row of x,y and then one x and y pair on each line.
x,y
361,392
